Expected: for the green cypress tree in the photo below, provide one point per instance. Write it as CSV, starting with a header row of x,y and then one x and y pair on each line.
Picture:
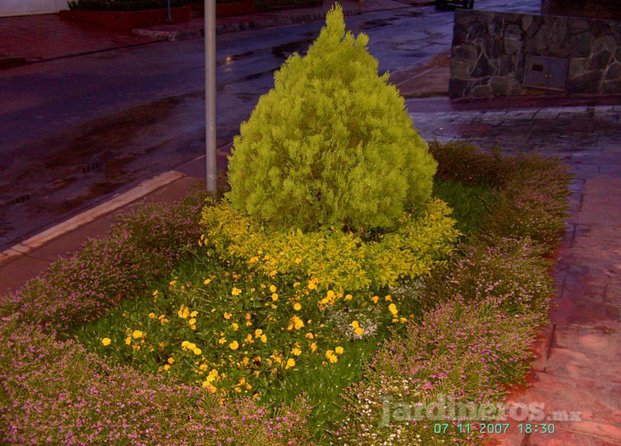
x,y
331,145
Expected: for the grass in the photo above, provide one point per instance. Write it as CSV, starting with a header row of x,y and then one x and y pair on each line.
x,y
470,203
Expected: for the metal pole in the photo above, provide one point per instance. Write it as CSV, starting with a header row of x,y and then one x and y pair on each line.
x,y
210,96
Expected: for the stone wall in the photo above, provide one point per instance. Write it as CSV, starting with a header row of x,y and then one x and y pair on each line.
x,y
490,50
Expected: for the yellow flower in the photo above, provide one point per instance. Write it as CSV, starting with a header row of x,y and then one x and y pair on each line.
x,y
358,331
171,361
393,309
375,299
309,336
274,297
227,316
137,334
106,341
298,260
258,332
297,306
312,284
403,320
172,283
151,315
203,367
213,375
166,367
296,351
197,351
355,324
263,339
234,345
296,323
184,312
296,284
273,288
290,363
348,297
339,350
192,321
210,387
155,293
313,347
194,313
273,273
388,298
254,259
222,341
330,356
236,291
234,326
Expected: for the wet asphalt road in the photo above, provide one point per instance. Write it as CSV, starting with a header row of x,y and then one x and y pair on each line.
x,y
73,131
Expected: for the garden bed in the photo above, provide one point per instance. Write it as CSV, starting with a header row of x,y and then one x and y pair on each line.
x,y
495,255
257,319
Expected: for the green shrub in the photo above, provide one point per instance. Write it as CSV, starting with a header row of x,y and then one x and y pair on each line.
x,y
54,392
331,258
533,203
511,270
460,353
331,145
141,246
468,164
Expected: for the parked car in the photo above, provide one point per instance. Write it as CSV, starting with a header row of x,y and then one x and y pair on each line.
x,y
466,4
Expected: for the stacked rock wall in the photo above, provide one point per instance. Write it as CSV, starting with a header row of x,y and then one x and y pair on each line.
x,y
489,52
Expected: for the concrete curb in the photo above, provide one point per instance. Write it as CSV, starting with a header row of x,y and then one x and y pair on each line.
x,y
117,202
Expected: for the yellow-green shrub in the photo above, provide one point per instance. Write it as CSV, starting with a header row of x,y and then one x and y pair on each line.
x,y
331,145
334,259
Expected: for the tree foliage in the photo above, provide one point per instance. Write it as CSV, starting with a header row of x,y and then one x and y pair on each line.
x,y
331,145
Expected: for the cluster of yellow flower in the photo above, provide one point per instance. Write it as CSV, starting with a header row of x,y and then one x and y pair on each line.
x,y
185,313
333,355
190,346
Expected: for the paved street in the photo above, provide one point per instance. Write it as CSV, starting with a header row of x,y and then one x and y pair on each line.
x,y
75,130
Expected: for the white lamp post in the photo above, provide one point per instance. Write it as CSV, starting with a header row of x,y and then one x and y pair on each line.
x,y
210,96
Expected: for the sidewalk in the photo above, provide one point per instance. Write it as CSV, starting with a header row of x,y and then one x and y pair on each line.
x,y
37,38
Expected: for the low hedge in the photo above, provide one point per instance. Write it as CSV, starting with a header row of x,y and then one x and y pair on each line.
x,y
141,247
336,260
54,392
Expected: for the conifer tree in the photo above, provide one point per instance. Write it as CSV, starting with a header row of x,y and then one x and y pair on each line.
x,y
331,145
